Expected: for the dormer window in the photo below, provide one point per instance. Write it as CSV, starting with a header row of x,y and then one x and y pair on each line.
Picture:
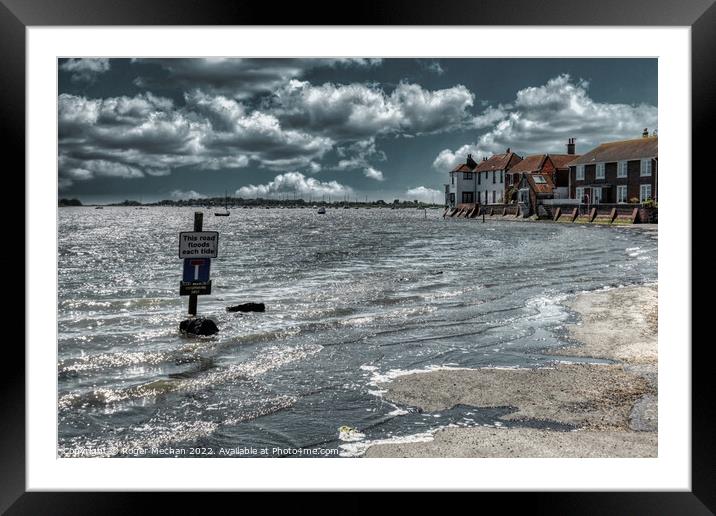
x,y
467,175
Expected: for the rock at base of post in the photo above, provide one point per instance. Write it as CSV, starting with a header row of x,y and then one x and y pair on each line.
x,y
198,326
247,307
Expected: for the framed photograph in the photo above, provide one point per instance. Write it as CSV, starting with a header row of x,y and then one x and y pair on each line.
x,y
420,252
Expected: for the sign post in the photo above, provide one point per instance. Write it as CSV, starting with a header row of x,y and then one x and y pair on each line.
x,y
197,248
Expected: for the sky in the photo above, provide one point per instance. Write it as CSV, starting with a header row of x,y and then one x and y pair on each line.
x,y
153,129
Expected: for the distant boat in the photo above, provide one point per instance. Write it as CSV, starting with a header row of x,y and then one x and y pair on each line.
x,y
225,213
99,207
322,210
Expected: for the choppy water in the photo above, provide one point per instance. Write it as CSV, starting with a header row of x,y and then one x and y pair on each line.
x,y
353,297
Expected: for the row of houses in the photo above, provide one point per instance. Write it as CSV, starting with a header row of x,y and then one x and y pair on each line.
x,y
617,172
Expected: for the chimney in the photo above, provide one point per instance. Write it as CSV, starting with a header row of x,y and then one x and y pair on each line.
x,y
645,134
470,162
570,146
507,151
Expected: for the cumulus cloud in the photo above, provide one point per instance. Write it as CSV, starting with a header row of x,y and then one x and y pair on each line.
x,y
448,159
421,193
359,111
86,69
372,173
542,118
295,182
358,155
236,77
146,134
189,194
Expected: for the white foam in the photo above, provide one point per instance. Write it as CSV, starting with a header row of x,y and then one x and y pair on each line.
x,y
390,375
358,448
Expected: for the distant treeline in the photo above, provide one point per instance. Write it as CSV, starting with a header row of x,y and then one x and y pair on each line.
x,y
219,202
69,202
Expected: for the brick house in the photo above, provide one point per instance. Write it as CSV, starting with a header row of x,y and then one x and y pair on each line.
x,y
532,189
554,166
616,172
560,178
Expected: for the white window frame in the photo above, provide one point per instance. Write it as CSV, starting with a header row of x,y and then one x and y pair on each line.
x,y
580,172
601,171
643,197
625,189
579,193
596,199
645,169
623,169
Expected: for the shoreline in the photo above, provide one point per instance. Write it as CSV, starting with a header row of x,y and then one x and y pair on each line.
x,y
611,408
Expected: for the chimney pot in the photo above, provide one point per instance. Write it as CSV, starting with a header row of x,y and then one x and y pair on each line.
x,y
508,150
570,146
646,132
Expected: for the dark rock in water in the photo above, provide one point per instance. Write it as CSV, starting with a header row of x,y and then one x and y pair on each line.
x,y
247,307
198,326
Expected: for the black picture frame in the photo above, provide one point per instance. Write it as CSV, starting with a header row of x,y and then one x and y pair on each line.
x,y
17,15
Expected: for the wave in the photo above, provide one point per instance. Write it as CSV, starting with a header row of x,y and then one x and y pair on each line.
x,y
269,359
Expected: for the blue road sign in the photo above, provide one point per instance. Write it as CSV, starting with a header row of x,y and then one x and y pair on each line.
x,y
196,269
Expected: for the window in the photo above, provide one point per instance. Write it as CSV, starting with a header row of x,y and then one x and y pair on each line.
x,y
600,170
452,179
467,197
621,191
644,192
540,180
622,169
493,177
646,167
502,178
493,192
596,195
452,198
580,194
580,172
479,178
467,175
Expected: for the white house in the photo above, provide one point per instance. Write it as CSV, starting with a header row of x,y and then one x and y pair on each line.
x,y
490,177
462,186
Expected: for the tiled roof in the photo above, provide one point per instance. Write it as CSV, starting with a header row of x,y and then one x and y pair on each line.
x,y
546,187
562,160
462,168
622,150
495,162
530,164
